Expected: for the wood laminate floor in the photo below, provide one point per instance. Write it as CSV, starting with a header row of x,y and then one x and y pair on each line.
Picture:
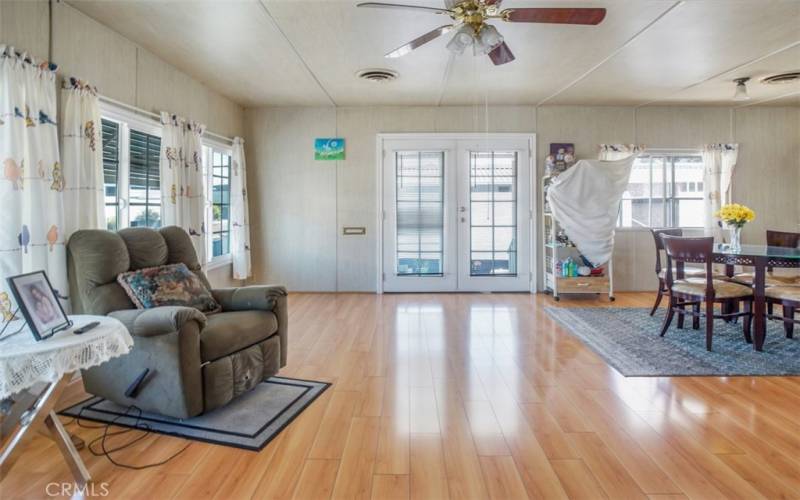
x,y
470,396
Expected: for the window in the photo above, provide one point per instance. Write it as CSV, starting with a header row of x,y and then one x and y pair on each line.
x,y
217,168
131,151
110,132
420,213
493,208
131,176
664,190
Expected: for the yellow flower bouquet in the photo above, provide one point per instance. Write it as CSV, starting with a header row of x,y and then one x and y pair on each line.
x,y
734,214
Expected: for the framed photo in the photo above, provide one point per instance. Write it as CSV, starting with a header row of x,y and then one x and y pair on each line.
x,y
561,157
38,304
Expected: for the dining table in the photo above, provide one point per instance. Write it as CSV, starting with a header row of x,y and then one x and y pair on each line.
x,y
761,258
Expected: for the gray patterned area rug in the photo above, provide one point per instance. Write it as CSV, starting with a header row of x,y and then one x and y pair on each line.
x,y
250,421
627,339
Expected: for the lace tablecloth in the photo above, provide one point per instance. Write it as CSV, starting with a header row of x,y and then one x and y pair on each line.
x,y
24,362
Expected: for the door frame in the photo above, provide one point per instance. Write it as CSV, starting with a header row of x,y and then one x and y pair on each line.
x,y
380,157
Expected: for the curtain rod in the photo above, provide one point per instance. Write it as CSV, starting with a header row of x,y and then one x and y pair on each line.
x,y
156,116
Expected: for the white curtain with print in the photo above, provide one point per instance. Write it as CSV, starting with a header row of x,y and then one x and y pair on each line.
x,y
181,166
81,157
719,160
240,225
613,152
32,181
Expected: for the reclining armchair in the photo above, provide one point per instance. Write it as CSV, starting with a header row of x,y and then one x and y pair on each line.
x,y
197,362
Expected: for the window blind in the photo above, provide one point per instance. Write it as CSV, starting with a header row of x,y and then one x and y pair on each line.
x,y
110,133
420,213
144,189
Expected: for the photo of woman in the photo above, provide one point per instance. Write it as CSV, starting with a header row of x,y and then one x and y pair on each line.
x,y
43,307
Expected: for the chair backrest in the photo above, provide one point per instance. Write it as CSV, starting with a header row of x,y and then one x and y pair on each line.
x,y
693,250
657,233
783,239
95,258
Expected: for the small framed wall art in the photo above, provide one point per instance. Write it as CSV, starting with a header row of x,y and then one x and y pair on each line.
x,y
329,149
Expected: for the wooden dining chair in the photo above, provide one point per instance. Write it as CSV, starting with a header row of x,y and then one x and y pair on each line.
x,y
788,297
783,290
696,292
774,239
688,272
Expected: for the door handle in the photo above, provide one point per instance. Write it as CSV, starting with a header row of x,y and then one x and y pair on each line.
x,y
462,209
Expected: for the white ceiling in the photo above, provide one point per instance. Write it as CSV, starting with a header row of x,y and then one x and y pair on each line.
x,y
297,52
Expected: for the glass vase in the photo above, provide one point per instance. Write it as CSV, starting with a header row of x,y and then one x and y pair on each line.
x,y
736,237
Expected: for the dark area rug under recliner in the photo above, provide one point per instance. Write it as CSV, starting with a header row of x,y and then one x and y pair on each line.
x,y
250,421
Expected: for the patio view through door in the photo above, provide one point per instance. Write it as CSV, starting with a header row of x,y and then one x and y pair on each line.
x,y
456,212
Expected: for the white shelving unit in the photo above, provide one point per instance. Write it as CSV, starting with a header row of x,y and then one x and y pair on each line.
x,y
555,251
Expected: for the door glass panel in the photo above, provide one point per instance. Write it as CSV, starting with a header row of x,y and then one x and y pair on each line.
x,y
493,208
420,213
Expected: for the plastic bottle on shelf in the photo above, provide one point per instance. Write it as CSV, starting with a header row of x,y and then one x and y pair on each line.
x,y
559,268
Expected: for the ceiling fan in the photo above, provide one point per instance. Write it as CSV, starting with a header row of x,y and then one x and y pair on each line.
x,y
471,28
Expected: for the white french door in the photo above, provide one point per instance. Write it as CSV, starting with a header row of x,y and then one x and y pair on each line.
x,y
456,212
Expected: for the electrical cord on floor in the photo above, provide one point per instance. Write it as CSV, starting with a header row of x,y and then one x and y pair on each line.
x,y
105,452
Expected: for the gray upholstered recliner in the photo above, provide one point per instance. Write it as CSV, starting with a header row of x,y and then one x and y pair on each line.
x,y
197,362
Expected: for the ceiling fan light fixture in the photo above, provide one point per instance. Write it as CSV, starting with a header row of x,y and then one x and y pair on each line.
x,y
740,94
461,40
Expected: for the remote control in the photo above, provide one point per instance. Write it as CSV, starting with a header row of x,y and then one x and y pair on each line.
x,y
85,328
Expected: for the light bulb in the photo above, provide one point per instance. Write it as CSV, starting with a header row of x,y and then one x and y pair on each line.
x,y
460,41
490,38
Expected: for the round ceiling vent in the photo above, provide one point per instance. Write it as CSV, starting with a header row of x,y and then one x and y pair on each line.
x,y
377,75
791,77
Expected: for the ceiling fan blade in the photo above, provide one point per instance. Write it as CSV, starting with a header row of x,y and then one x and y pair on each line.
x,y
501,54
378,5
555,15
419,41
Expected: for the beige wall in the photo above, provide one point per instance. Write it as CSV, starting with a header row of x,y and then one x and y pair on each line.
x,y
299,206
119,68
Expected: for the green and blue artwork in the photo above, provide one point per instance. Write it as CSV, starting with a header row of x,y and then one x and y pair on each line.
x,y
329,149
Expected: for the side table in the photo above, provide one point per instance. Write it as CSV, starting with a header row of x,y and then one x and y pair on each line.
x,y
25,362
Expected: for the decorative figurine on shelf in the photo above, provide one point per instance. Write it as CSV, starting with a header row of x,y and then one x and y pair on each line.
x,y
549,165
562,238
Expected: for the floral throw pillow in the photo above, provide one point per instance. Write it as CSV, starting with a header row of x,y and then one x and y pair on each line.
x,y
170,285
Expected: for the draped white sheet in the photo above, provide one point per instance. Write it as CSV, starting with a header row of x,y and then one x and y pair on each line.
x,y
32,182
181,166
719,160
585,202
240,221
81,157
